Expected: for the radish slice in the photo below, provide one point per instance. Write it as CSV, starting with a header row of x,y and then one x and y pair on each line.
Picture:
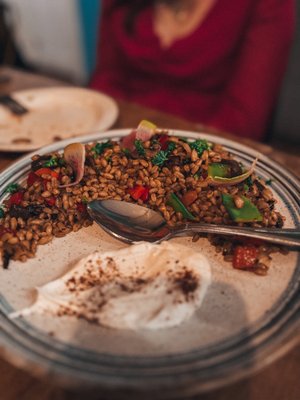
x,y
143,132
218,180
128,141
74,155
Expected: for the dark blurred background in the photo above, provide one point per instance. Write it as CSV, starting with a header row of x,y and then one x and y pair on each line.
x,y
58,38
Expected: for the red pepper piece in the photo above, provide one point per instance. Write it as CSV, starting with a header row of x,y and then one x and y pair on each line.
x,y
244,257
32,177
163,141
139,192
145,195
15,199
47,171
136,191
81,207
50,201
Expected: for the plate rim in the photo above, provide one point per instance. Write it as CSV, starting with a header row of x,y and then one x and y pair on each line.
x,y
288,338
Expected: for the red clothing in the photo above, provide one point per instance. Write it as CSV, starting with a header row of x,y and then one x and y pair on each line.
x,y
226,74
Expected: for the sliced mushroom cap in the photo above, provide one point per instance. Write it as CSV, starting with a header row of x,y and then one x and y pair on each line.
x,y
74,155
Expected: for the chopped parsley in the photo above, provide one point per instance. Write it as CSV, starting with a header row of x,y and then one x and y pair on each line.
x,y
269,182
249,181
139,147
171,147
54,162
126,151
12,188
200,145
246,187
51,163
162,156
100,147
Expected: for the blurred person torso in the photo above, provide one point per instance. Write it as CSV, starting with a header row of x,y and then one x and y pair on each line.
x,y
210,61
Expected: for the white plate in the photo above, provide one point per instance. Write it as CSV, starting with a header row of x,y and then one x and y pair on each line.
x,y
54,114
245,322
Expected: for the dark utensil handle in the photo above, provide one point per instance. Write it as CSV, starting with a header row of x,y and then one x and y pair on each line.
x,y
13,105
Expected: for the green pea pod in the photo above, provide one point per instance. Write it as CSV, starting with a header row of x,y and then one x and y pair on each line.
x,y
248,213
218,170
216,180
174,202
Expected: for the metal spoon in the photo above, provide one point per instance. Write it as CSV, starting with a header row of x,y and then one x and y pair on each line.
x,y
132,223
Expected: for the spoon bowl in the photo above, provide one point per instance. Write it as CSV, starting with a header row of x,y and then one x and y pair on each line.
x,y
133,223
127,221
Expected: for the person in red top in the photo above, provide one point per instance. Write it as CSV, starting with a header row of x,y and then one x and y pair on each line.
x,y
215,62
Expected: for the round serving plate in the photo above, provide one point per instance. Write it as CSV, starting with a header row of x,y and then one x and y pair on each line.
x,y
245,323
54,114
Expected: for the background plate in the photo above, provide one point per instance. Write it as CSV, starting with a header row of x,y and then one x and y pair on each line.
x,y
245,322
54,114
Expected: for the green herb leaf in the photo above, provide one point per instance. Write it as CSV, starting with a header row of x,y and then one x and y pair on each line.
x,y
269,182
84,200
126,151
12,188
2,212
171,147
100,147
246,187
249,181
139,147
218,169
53,162
247,213
173,201
160,158
200,145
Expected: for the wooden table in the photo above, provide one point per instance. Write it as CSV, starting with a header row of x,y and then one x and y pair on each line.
x,y
280,381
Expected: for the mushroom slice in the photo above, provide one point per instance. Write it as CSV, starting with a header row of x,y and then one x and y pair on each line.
x,y
74,155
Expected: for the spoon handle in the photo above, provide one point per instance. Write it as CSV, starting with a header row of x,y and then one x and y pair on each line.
x,y
285,237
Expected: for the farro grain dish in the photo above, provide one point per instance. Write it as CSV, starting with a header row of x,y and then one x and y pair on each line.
x,y
183,179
